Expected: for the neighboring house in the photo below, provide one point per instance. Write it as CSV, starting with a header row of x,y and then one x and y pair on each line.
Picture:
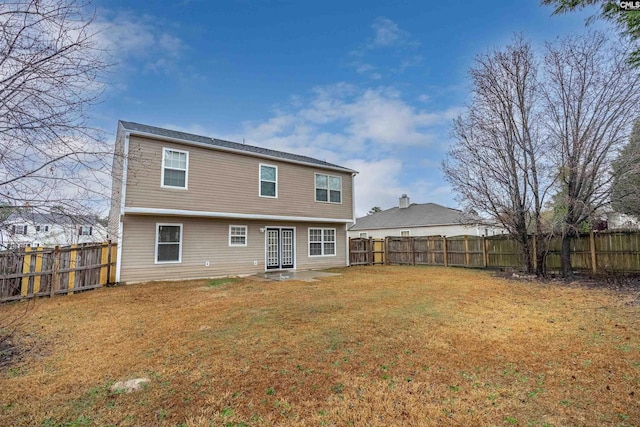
x,y
22,229
620,221
189,206
424,219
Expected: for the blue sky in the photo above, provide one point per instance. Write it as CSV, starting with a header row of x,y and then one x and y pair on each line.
x,y
371,85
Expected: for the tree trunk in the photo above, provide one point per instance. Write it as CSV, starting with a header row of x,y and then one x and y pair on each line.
x,y
565,256
540,261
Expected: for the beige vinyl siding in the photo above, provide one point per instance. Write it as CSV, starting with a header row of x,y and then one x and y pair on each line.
x,y
228,182
208,240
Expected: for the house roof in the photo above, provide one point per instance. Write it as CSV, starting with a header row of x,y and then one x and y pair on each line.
x,y
221,144
50,218
415,215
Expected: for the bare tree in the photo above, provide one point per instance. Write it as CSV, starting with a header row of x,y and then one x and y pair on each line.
x,y
590,95
52,71
494,164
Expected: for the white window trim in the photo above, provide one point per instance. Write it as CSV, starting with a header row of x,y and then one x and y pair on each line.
x,y
260,180
186,170
366,235
322,242
315,181
158,225
246,235
408,231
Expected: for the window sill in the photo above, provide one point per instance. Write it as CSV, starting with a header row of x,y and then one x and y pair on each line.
x,y
171,187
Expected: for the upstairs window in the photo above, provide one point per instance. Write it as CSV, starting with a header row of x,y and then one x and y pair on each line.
x,y
85,230
328,188
268,181
19,229
405,233
44,228
175,164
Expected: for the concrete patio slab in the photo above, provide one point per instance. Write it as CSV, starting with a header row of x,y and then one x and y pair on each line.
x,y
304,276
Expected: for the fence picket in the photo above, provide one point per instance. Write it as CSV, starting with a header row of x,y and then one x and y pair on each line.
x,y
49,271
609,251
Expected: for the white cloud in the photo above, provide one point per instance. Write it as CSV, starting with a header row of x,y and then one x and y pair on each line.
x,y
132,38
341,118
388,34
377,183
389,37
380,183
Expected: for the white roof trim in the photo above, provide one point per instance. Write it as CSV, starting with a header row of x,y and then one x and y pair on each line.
x,y
205,214
405,227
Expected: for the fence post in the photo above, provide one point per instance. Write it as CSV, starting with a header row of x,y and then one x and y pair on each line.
x,y
72,265
104,259
26,269
444,251
54,271
485,260
432,245
413,250
38,278
370,259
113,255
466,250
592,244
386,250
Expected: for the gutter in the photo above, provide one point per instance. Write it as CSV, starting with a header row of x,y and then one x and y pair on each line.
x,y
209,214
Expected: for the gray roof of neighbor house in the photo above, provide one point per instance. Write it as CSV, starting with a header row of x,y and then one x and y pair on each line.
x,y
415,215
228,145
51,218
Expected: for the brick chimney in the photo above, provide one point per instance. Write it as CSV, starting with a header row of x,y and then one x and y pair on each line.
x,y
404,201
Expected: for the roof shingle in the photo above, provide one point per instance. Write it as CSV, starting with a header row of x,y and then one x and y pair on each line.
x,y
416,215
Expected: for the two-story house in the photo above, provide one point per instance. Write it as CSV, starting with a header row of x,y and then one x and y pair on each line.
x,y
28,228
190,206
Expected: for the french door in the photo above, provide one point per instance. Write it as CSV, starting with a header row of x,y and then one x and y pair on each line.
x,y
280,248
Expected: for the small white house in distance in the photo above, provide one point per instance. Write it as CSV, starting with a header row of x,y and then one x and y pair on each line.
x,y
22,229
620,221
421,219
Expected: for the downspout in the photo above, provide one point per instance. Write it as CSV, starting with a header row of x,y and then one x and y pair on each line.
x,y
123,195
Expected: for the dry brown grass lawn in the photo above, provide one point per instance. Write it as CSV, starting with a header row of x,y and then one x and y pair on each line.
x,y
375,346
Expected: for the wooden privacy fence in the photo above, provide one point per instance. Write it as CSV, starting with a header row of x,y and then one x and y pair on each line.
x,y
51,271
609,251
366,251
